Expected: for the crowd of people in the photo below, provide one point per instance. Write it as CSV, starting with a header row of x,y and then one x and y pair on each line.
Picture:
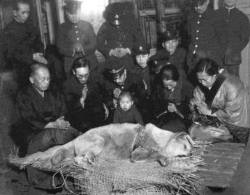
x,y
132,85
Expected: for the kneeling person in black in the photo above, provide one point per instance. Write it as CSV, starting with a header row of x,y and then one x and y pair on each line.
x,y
42,110
84,97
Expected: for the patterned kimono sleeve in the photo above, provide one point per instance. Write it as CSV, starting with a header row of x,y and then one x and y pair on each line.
x,y
197,99
234,107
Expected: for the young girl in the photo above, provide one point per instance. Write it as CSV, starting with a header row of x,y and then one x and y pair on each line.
x,y
126,111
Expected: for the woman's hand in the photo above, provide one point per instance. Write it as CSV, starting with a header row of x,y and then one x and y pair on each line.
x,y
203,109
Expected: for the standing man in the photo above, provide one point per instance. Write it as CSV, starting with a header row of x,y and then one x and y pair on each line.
x,y
237,34
203,29
22,42
76,37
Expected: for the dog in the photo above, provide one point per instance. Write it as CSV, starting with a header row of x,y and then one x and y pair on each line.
x,y
117,141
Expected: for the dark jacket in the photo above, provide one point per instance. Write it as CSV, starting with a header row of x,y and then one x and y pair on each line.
x,y
180,97
237,32
204,32
70,34
21,41
133,84
130,116
110,37
36,110
93,113
178,58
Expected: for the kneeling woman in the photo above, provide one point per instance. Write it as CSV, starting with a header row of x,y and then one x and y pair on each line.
x,y
222,95
170,100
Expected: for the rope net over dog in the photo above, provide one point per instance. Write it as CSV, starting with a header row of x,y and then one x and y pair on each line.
x,y
107,176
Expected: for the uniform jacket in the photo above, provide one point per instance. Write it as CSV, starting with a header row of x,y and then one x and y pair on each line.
x,y
133,84
230,103
70,34
237,32
178,58
204,32
36,110
21,41
110,37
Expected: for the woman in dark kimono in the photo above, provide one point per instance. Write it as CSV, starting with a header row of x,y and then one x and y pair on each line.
x,y
223,96
170,100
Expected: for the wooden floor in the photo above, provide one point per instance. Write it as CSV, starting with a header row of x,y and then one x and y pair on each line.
x,y
220,164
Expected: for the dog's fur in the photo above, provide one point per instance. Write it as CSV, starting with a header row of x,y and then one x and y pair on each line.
x,y
118,141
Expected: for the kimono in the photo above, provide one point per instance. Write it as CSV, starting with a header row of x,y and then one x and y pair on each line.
x,y
37,111
228,99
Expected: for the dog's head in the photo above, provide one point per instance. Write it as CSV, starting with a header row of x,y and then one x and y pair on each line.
x,y
180,144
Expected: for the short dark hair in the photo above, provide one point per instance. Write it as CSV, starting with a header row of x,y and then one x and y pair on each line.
x,y
126,93
208,66
34,67
169,72
15,4
80,62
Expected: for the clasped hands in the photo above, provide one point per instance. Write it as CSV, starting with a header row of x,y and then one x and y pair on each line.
x,y
60,123
39,57
119,52
78,48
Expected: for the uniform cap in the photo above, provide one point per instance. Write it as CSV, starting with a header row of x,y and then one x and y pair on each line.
x,y
141,50
72,6
170,34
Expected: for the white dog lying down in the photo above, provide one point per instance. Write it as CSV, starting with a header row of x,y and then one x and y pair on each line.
x,y
117,141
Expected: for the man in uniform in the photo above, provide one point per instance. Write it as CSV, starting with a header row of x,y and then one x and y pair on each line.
x,y
22,42
118,78
76,37
119,35
237,35
204,29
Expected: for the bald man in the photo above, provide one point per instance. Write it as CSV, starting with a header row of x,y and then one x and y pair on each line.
x,y
43,111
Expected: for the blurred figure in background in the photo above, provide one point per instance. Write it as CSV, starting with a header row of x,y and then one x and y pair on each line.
x,y
76,38
22,42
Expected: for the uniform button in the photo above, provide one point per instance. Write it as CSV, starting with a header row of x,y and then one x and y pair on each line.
x,y
76,26
197,38
200,15
76,31
196,46
194,51
197,31
198,22
77,39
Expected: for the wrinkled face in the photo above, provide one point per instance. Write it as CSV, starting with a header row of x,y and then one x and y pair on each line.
x,y
202,8
125,103
171,45
205,79
230,3
169,84
74,18
21,15
180,146
82,74
41,79
142,60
